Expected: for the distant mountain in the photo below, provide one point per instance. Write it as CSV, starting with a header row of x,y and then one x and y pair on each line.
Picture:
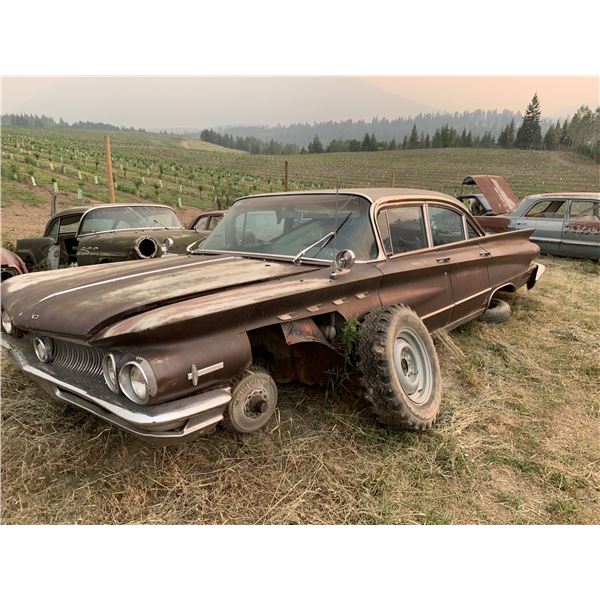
x,y
478,122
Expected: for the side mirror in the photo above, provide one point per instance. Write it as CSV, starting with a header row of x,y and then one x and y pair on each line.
x,y
344,259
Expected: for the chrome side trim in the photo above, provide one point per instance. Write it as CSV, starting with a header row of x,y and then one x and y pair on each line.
x,y
581,242
453,304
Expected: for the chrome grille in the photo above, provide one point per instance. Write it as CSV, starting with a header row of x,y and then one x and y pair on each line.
x,y
81,359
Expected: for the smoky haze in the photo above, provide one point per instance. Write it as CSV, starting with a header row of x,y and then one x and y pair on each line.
x,y
199,102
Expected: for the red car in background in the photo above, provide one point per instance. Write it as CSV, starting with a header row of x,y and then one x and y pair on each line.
x,y
11,264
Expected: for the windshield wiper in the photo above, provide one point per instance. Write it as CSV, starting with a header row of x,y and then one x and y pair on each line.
x,y
324,241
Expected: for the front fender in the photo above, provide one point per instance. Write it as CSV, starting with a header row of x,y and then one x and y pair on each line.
x,y
184,367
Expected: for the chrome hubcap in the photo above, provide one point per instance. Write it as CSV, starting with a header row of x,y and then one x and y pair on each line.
x,y
412,366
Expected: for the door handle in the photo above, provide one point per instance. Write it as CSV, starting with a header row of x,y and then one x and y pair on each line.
x,y
445,259
485,253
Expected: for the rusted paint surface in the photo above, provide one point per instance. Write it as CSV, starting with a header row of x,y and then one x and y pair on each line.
x,y
11,263
184,314
496,190
303,330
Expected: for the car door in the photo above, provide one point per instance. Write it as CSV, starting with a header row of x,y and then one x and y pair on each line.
x,y
411,273
458,248
581,229
546,217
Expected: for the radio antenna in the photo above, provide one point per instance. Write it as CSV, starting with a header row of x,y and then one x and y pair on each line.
x,y
337,198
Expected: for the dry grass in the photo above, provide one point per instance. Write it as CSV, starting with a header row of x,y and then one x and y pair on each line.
x,y
517,441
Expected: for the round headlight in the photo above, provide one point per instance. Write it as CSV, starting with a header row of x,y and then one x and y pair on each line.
x,y
7,324
44,349
137,381
109,370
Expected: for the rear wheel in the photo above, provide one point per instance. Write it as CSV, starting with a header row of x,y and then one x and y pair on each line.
x,y
253,401
399,368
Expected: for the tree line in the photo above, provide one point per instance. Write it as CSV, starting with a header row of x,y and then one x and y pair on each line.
x,y
249,144
478,122
580,133
43,121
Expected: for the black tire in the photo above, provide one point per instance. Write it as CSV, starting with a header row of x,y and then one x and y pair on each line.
x,y
393,341
253,401
497,312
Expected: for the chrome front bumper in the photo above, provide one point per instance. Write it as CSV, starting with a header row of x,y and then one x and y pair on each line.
x,y
175,420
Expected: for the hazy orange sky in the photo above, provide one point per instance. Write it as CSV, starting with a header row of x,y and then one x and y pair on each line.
x,y
198,102
559,94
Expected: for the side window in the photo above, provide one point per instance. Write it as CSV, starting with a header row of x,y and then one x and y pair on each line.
x,y
69,225
446,226
585,210
406,229
471,231
214,221
548,209
53,230
201,224
384,230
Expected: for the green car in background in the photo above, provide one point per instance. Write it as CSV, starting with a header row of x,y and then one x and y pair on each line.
x,y
107,233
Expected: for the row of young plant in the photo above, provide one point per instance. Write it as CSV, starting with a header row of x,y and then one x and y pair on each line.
x,y
66,165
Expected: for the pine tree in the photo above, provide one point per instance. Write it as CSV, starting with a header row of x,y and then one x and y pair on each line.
x,y
315,147
529,134
413,141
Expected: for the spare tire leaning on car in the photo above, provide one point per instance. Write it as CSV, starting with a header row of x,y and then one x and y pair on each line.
x,y
399,368
498,311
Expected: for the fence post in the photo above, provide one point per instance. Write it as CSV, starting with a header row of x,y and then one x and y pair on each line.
x,y
286,176
109,172
53,203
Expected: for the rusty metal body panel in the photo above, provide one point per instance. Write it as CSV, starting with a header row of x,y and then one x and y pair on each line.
x,y
563,231
11,264
197,320
111,244
496,191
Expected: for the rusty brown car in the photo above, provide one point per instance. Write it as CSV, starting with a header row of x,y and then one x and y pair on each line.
x,y
170,348
107,233
206,221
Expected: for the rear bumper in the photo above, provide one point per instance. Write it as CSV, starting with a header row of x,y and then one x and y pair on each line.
x,y
536,274
177,420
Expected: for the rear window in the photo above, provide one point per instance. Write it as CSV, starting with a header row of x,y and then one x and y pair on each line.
x,y
446,226
585,210
548,209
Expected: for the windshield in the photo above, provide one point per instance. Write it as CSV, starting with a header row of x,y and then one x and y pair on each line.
x,y
128,217
286,225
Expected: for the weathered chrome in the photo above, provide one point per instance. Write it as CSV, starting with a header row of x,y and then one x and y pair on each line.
x,y
83,360
125,373
175,420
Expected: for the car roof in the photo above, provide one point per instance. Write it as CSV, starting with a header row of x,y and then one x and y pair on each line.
x,y
591,195
73,210
375,195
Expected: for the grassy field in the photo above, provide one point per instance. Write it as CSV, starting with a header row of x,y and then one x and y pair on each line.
x,y
166,168
517,440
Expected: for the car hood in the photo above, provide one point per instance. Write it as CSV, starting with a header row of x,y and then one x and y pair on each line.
x,y
497,192
79,301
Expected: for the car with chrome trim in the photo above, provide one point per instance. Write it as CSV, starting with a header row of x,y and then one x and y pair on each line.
x,y
168,349
106,233
564,223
